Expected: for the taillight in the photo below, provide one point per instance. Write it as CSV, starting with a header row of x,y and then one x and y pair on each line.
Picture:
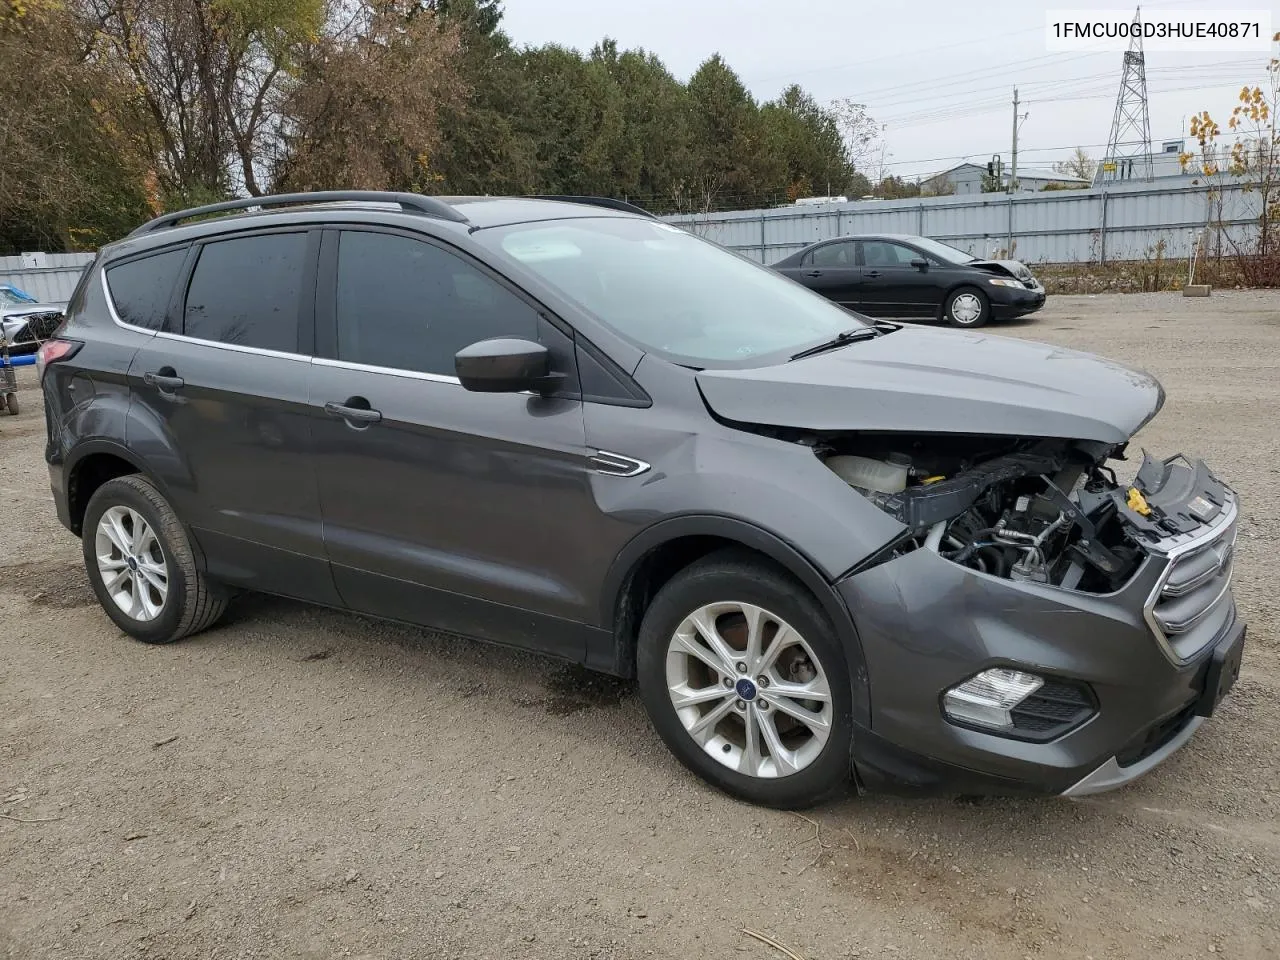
x,y
51,351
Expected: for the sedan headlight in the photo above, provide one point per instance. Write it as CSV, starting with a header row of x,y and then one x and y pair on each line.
x,y
1002,282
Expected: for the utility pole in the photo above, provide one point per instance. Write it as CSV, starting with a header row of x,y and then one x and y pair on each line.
x,y
1013,160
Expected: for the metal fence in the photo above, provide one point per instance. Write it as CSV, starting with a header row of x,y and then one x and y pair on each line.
x,y
49,277
1121,222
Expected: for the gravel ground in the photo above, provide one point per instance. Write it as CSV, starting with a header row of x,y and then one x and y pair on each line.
x,y
302,783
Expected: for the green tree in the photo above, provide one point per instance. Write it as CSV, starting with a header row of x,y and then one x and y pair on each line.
x,y
70,177
810,144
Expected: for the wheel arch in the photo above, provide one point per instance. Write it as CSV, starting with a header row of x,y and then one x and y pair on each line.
x,y
659,552
91,464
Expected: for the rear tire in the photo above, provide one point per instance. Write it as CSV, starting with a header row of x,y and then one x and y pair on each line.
x,y
788,688
967,307
11,403
141,564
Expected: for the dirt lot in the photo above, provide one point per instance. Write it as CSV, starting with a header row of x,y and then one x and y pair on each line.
x,y
300,783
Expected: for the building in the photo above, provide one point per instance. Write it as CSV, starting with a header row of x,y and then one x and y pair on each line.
x,y
966,178
1164,165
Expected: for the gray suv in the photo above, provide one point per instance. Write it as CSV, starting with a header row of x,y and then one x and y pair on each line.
x,y
821,544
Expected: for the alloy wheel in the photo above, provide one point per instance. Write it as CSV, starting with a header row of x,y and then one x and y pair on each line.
x,y
131,563
748,689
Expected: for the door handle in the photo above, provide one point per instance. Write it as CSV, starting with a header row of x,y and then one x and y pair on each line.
x,y
352,412
813,273
871,274
163,379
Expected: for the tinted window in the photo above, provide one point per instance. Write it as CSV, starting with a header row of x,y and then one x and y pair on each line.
x,y
141,289
882,253
411,306
245,291
834,255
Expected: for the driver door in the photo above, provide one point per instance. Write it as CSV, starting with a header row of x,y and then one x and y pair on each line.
x,y
441,506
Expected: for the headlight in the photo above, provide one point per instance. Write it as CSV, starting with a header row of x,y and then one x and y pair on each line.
x,y
987,699
1002,282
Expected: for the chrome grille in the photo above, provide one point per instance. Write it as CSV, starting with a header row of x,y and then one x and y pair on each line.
x,y
1193,597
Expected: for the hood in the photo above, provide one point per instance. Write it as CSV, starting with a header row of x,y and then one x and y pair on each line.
x,y
941,381
1015,268
31,309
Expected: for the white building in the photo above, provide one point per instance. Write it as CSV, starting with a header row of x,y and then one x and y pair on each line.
x,y
968,178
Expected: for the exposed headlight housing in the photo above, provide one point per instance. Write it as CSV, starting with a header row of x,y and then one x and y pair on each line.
x,y
987,699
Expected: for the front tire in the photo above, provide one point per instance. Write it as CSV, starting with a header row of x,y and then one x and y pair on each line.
x,y
967,307
743,678
141,564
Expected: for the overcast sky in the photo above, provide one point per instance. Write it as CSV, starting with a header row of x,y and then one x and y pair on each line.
x,y
939,73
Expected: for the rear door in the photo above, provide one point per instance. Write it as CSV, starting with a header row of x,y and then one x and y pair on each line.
x,y
220,410
832,270
444,507
893,287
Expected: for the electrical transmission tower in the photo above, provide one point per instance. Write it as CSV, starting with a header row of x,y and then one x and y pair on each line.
x,y
1128,155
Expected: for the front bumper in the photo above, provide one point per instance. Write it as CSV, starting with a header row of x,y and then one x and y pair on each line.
x,y
926,624
1010,302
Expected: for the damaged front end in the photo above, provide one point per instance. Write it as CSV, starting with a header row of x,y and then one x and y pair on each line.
x,y
1039,621
1032,510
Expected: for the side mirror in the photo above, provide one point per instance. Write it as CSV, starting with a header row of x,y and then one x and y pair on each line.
x,y
505,365
920,263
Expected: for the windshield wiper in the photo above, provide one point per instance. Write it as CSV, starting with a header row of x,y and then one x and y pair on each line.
x,y
839,340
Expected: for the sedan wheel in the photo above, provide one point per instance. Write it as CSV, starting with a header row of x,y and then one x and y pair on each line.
x,y
748,689
967,307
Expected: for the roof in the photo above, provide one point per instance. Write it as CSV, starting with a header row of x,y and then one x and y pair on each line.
x,y
404,209
1040,174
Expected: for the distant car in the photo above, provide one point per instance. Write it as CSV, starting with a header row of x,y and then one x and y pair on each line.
x,y
25,322
894,275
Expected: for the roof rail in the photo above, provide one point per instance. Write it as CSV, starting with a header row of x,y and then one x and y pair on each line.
x,y
607,202
411,202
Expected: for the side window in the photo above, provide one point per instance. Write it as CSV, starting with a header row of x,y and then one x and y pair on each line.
x,y
883,253
140,289
834,255
409,305
245,291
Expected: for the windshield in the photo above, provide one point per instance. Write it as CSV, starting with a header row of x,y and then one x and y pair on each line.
x,y
672,293
943,251
14,298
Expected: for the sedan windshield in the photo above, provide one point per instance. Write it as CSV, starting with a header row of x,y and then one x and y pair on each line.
x,y
943,251
672,293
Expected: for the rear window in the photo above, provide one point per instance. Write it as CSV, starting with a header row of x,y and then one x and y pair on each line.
x,y
140,289
245,292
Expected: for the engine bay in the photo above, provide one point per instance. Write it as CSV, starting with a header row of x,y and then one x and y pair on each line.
x,y
1025,509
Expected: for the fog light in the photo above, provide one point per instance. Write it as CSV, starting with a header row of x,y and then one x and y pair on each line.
x,y
988,698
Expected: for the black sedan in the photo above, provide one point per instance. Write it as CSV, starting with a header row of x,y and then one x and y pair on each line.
x,y
894,275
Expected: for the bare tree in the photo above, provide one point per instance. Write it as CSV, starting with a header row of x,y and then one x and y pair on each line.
x,y
1079,164
366,109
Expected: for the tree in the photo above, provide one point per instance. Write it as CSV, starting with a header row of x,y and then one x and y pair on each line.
x,y
1254,158
809,143
862,134
70,175
352,121
209,80
894,187
1079,164
727,138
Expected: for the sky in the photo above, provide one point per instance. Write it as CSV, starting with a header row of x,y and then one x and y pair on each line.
x,y
939,74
